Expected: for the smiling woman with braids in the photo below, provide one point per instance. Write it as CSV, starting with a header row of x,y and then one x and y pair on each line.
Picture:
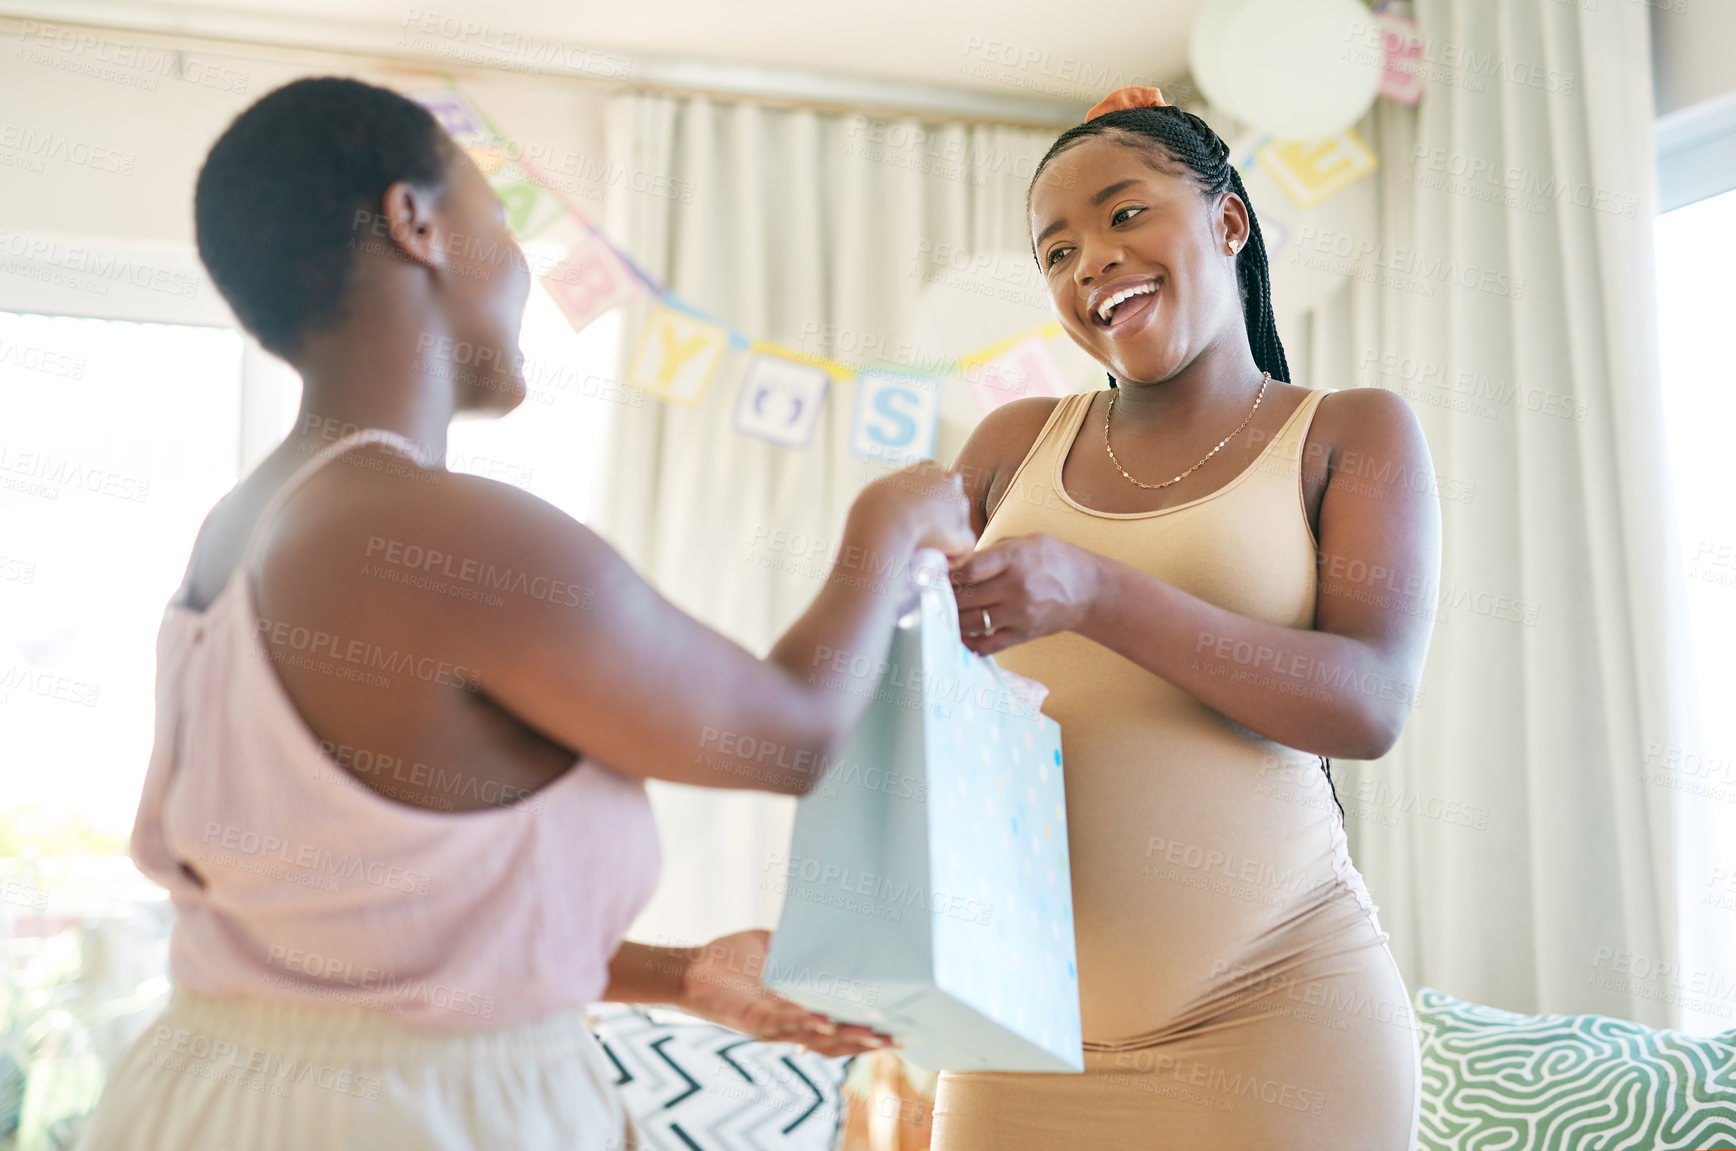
x,y
1181,558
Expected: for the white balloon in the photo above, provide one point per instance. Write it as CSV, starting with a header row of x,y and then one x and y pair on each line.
x,y
1292,68
1206,51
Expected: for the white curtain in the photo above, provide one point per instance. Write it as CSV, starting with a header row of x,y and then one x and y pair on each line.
x,y
819,232
1517,840
1518,847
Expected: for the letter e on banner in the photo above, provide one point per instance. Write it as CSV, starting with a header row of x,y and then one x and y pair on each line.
x,y
1312,171
677,356
1402,78
1027,368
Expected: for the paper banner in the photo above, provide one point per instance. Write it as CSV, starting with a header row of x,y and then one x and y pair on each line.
x,y
1311,171
530,210
780,400
1276,234
897,417
676,303
1001,374
1402,78
836,369
677,356
467,126
1246,147
589,282
462,122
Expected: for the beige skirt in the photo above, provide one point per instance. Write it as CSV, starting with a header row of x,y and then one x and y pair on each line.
x,y
266,1075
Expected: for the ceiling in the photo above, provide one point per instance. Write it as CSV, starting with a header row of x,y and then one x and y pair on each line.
x,y
1017,51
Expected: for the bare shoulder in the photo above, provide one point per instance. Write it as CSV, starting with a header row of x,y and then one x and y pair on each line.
x,y
373,506
1360,438
1012,426
424,555
1352,417
996,446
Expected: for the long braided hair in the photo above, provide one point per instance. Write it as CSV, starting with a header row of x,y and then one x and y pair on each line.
x,y
1188,140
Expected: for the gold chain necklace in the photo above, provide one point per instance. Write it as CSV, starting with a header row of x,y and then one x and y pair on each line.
x,y
1196,467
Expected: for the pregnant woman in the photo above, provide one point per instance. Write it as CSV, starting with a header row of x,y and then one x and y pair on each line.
x,y
1224,579
404,715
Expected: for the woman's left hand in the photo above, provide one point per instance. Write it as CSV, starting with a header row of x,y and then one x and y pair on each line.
x,y
722,983
1031,585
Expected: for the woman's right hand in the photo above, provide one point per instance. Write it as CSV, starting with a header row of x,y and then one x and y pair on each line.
x,y
927,501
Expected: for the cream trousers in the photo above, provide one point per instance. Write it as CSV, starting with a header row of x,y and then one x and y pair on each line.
x,y
266,1075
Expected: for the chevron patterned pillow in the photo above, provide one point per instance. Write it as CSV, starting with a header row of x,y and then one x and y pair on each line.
x,y
1493,1079
690,1085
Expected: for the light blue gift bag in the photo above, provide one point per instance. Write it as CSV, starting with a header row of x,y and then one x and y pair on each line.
x,y
927,890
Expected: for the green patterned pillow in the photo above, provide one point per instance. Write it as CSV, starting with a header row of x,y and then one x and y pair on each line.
x,y
1493,1079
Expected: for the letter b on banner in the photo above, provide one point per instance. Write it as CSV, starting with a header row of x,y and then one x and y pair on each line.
x,y
589,282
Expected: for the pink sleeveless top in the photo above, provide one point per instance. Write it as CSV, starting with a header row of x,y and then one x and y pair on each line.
x,y
317,889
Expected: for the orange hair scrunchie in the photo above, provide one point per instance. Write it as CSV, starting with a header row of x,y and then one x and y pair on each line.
x,y
1133,97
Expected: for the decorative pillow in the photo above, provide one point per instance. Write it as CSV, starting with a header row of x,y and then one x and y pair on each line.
x,y
1493,1079
690,1085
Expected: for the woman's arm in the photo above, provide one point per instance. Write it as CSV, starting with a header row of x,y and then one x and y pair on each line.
x,y
652,691
721,981
558,632
1344,688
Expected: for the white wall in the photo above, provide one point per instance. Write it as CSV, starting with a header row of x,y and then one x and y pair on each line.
x,y
119,130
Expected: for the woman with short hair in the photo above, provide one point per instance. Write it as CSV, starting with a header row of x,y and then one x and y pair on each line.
x,y
404,715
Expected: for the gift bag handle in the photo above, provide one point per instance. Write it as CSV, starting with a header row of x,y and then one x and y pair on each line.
x,y
929,572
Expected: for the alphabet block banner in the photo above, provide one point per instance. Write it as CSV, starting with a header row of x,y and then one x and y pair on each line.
x,y
897,417
589,282
1001,374
780,400
677,356
1276,234
1312,171
679,352
455,115
1401,78
529,209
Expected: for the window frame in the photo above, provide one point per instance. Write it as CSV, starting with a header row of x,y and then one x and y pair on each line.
x,y
33,282
1696,153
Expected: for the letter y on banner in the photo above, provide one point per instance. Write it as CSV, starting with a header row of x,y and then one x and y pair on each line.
x,y
677,356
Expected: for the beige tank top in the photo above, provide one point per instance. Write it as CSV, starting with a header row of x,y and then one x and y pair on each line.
x,y
1203,854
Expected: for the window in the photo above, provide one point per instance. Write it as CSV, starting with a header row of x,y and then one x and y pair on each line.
x,y
115,440
1696,300
551,445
